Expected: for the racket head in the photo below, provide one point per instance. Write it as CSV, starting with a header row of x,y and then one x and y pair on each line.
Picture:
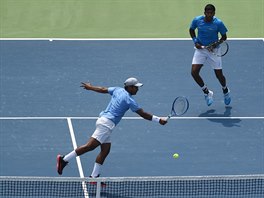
x,y
179,106
219,49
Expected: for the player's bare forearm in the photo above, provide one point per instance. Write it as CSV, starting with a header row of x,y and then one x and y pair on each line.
x,y
223,38
149,116
98,89
144,114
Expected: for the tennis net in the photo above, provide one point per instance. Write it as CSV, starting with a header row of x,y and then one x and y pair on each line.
x,y
228,186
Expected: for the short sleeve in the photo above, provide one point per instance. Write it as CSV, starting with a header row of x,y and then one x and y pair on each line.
x,y
133,105
193,24
222,28
111,90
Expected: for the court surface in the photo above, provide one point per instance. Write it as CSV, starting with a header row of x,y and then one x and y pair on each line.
x,y
41,95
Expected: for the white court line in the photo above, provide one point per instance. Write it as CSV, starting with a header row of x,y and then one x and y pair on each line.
x,y
130,118
78,160
114,39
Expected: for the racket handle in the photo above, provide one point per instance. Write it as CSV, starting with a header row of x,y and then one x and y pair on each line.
x,y
202,47
168,117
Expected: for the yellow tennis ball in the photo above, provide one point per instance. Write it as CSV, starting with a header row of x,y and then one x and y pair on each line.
x,y
175,155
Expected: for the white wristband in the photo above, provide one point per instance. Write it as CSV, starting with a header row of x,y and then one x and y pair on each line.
x,y
155,119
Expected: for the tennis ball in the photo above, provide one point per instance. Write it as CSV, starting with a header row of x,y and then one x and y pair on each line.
x,y
175,155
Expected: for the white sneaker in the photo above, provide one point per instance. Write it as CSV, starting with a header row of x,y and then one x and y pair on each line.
x,y
209,98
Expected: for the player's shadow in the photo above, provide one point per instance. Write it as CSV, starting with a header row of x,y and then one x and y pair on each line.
x,y
226,121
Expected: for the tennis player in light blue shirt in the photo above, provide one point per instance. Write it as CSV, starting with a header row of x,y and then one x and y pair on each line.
x,y
208,28
121,101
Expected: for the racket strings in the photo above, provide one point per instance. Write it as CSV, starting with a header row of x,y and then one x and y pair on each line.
x,y
180,107
221,49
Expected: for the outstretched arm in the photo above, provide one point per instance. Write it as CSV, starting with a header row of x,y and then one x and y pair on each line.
x,y
148,116
98,89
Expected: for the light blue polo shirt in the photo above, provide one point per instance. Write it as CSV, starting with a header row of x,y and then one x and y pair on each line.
x,y
208,31
120,102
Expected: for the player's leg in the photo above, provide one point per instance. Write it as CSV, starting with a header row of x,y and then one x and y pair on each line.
x,y
105,150
198,79
196,68
199,58
216,63
221,78
97,138
62,161
89,146
103,134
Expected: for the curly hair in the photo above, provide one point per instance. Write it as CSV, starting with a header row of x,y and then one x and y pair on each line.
x,y
209,7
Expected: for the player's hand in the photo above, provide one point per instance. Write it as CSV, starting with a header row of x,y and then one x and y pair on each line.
x,y
86,86
198,46
215,44
162,121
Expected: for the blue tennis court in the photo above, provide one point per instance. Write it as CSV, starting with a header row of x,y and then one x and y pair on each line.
x,y
40,89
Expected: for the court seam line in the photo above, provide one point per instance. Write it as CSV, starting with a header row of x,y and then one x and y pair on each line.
x,y
78,160
129,118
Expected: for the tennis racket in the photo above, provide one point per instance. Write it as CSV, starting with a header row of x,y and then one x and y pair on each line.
x,y
179,107
219,48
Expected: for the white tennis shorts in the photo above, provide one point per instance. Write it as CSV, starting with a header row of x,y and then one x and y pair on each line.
x,y
201,56
104,128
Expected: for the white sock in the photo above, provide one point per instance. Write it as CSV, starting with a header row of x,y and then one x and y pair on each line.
x,y
96,170
204,87
224,87
70,156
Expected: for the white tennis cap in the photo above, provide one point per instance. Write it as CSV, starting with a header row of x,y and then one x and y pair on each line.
x,y
133,82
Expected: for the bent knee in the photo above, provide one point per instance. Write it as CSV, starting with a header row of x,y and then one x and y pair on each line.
x,y
196,69
195,72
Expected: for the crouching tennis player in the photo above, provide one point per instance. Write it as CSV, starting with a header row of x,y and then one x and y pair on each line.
x,y
120,102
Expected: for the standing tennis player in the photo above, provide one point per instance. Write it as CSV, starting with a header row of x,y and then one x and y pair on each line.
x,y
208,29
121,100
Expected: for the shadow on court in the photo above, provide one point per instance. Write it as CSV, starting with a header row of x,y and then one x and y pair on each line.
x,y
227,122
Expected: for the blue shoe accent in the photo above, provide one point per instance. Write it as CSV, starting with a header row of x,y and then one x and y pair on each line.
x,y
227,98
209,98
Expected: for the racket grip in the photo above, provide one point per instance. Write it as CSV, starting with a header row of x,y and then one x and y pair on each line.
x,y
168,117
202,47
